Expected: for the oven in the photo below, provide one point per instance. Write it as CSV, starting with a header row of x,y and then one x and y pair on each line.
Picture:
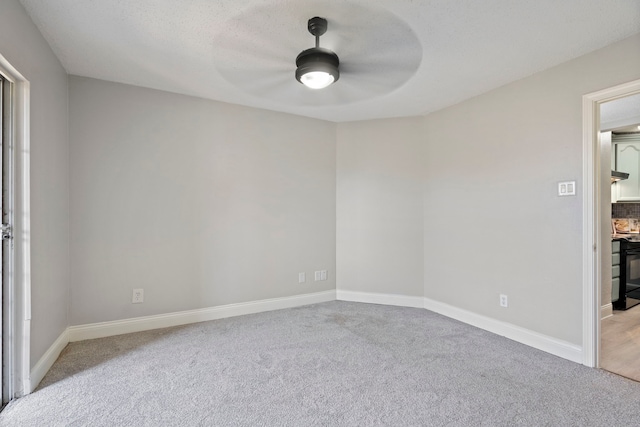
x,y
629,275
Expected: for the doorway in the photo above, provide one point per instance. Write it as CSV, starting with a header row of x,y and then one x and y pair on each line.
x,y
15,309
3,333
620,320
6,243
596,216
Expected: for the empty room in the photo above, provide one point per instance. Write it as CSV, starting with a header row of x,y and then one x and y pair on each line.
x,y
328,212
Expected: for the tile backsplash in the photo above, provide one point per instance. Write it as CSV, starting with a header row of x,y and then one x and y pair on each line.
x,y
625,210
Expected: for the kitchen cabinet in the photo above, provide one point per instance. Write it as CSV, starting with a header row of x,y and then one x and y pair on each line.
x,y
627,160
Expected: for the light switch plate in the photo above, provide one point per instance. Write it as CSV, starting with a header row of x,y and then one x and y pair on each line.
x,y
567,188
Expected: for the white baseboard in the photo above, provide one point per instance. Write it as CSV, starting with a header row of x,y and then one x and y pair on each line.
x,y
118,327
46,361
557,347
138,324
533,339
606,311
384,299
542,342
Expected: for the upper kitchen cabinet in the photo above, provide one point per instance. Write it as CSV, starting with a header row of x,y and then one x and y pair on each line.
x,y
627,159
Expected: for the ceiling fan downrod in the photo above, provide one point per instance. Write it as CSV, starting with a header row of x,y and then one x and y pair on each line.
x,y
317,26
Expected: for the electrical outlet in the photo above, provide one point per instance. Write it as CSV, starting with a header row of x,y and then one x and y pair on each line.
x,y
320,275
504,301
138,296
302,277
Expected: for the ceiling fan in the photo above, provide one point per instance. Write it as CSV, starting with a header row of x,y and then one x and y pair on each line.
x,y
378,53
317,67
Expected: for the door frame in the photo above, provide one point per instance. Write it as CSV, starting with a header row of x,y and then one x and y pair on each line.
x,y
593,221
17,294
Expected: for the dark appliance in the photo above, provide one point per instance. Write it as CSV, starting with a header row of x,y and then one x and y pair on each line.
x,y
629,275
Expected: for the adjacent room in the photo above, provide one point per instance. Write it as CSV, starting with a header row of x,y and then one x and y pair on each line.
x,y
314,212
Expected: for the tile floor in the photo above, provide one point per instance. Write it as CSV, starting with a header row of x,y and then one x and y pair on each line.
x,y
620,343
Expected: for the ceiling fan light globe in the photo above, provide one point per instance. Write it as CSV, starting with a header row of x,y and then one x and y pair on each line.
x,y
316,79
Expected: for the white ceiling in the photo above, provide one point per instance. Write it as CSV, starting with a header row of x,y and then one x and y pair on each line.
x,y
398,57
621,114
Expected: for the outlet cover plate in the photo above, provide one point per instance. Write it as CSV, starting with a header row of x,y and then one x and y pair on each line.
x,y
138,296
504,301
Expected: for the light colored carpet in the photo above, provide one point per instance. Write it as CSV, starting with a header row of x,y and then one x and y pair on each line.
x,y
330,364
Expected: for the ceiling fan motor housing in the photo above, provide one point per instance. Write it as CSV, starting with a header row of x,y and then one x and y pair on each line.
x,y
317,59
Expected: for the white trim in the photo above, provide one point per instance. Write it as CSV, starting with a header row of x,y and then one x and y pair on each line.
x,y
48,358
591,234
591,218
590,252
22,235
20,296
118,327
606,311
533,339
384,299
557,347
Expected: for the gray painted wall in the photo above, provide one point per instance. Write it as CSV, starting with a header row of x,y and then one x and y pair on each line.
x,y
23,46
458,206
379,206
483,174
200,203
509,149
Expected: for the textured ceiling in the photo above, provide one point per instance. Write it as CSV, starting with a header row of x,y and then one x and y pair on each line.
x,y
398,57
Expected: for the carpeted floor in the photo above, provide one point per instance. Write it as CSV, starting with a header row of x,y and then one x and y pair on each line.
x,y
330,364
